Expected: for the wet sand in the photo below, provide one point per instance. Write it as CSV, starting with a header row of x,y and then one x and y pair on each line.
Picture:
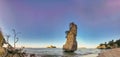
x,y
90,55
110,53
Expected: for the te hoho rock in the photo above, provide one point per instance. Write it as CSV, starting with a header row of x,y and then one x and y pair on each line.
x,y
71,43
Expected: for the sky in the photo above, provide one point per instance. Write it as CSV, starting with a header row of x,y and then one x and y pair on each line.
x,y
43,22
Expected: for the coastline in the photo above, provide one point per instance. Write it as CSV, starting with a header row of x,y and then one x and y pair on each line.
x,y
38,55
90,55
110,53
58,52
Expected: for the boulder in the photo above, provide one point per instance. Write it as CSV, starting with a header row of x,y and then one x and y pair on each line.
x,y
71,43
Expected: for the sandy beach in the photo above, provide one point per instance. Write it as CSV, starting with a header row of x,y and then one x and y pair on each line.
x,y
90,55
110,53
57,52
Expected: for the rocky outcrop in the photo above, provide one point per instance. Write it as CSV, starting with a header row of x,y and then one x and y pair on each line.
x,y
110,53
9,51
71,43
51,46
2,40
2,50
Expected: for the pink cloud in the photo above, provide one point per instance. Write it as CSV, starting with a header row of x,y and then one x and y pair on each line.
x,y
110,7
113,3
98,13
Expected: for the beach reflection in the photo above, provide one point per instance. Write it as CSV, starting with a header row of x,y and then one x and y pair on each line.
x,y
58,52
69,54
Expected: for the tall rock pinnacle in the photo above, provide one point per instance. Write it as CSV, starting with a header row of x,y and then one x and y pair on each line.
x,y
71,43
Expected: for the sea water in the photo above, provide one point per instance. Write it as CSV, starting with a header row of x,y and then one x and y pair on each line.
x,y
58,52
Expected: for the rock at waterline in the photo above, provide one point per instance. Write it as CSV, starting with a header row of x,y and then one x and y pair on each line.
x,y
2,40
8,51
51,46
71,43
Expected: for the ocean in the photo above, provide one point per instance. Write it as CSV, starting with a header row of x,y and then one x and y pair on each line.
x,y
58,52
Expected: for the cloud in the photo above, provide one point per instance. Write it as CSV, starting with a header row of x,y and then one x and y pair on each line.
x,y
110,7
97,13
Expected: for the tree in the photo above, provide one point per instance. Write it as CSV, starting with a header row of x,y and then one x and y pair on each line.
x,y
118,42
111,43
105,44
7,38
16,39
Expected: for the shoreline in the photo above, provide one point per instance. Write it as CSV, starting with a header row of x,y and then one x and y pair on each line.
x,y
90,55
110,53
39,55
56,52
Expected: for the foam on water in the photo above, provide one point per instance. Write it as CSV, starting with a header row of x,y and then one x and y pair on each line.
x,y
58,52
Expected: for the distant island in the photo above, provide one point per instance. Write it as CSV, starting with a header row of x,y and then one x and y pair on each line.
x,y
51,46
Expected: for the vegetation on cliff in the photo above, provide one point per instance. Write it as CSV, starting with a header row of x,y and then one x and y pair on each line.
x,y
109,45
10,51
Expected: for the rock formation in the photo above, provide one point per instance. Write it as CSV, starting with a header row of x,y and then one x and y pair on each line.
x,y
9,51
2,40
51,46
2,50
71,43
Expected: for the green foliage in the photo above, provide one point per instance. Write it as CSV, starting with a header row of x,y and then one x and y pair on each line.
x,y
118,42
110,44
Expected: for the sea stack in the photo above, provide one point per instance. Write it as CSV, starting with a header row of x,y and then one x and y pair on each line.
x,y
71,43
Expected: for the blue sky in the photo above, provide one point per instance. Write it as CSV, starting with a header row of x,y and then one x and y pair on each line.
x,y
44,22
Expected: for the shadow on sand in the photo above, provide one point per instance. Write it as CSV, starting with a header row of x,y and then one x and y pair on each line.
x,y
65,54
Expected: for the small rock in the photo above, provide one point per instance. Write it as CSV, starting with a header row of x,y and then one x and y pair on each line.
x,y
32,55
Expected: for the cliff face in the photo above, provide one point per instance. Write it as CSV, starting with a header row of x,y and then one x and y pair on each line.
x,y
2,50
71,43
1,39
9,51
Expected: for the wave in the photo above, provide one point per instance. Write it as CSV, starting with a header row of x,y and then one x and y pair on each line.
x,y
58,52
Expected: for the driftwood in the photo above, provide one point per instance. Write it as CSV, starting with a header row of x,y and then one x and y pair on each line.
x,y
9,51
